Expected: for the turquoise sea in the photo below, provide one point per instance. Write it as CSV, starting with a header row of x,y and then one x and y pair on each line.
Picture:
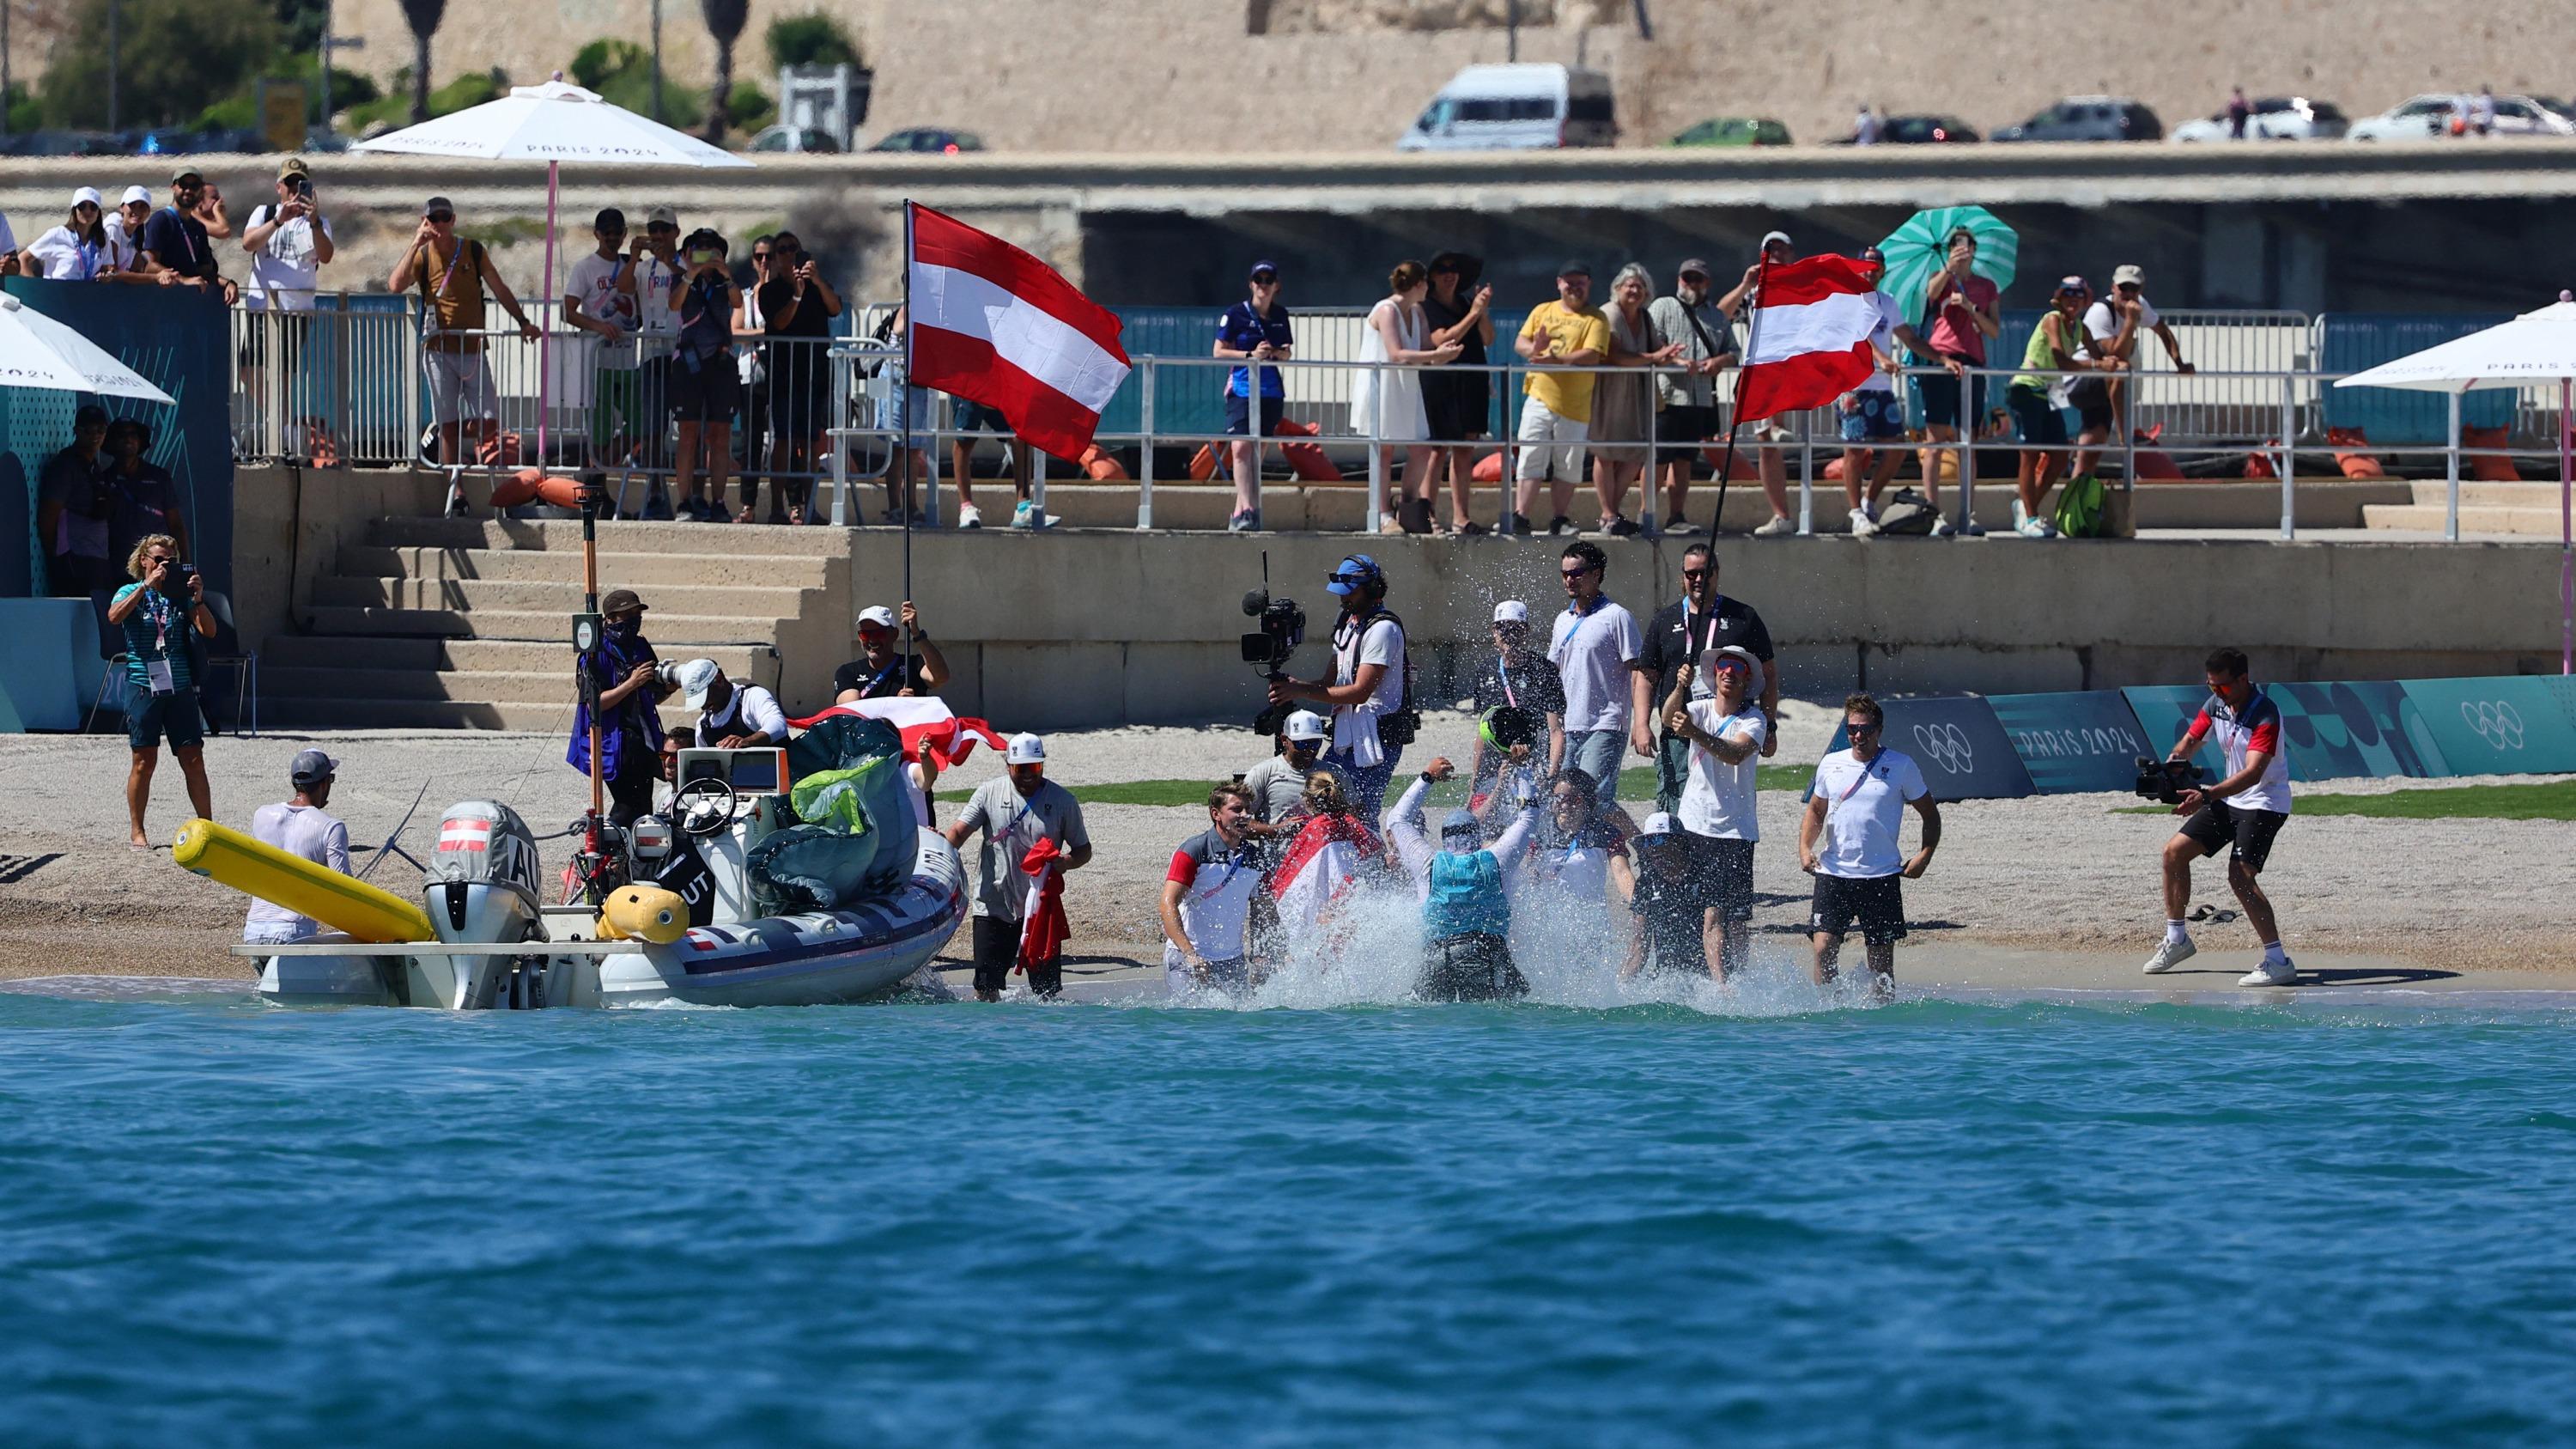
x,y
1987,1222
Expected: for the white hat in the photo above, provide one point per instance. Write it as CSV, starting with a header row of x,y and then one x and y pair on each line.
x,y
1511,611
1305,724
1768,238
877,614
90,195
1658,823
2129,274
1738,652
134,194
696,678
1025,749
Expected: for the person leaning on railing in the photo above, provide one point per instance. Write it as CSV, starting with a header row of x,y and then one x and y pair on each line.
x,y
76,251
178,240
797,306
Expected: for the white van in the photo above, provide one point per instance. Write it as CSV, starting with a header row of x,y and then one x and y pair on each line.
x,y
1516,108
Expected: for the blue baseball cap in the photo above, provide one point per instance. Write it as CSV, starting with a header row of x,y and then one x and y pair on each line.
x,y
1461,822
1263,266
1354,571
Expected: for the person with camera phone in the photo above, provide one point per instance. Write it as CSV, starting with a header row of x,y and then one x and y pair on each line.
x,y
706,390
2240,814
163,614
1371,691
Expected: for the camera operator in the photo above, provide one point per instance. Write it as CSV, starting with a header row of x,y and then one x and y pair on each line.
x,y
1373,717
2256,797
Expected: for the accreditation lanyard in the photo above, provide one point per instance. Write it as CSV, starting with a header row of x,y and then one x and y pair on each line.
x,y
873,684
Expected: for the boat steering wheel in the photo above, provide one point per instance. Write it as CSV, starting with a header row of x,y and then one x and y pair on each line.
x,y
705,806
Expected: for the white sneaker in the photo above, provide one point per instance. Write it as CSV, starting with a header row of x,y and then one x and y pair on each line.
x,y
2269,972
2169,955
1862,525
1778,527
969,516
2034,528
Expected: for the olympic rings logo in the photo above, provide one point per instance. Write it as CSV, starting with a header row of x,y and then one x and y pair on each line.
x,y
2495,721
1947,745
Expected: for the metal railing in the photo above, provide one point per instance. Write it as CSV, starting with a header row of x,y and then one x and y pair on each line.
x,y
349,381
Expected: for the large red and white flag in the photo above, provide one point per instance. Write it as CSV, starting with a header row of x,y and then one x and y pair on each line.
x,y
1321,867
1811,337
991,323
930,730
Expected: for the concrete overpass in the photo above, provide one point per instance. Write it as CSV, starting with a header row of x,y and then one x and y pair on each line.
x,y
2313,226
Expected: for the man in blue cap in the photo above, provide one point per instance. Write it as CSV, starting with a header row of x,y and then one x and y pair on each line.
x,y
1371,691
1466,894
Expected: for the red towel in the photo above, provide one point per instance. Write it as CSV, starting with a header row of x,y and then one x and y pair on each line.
x,y
1043,926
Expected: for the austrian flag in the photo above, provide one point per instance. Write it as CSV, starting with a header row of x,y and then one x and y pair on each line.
x,y
1810,338
993,324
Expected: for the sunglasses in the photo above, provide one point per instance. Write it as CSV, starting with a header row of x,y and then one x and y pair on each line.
x,y
1575,573
1850,728
1349,580
1265,280
442,217
1694,573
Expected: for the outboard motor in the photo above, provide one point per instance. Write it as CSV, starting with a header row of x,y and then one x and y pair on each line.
x,y
482,882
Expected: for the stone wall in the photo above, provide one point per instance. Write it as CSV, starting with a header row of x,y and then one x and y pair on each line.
x,y
1189,75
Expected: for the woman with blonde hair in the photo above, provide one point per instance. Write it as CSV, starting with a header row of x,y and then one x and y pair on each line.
x,y
1623,403
1330,853
1386,401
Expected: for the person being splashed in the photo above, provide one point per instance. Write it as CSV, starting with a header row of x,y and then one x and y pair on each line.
x,y
1466,905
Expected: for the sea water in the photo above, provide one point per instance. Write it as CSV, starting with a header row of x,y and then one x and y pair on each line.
x,y
1964,1222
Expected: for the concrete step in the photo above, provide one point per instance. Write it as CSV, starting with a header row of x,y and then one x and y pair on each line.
x,y
2433,517
667,630
342,655
339,713
2437,493
546,595
753,539
464,686
638,571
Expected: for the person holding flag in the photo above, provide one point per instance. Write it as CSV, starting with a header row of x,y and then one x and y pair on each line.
x,y
1021,814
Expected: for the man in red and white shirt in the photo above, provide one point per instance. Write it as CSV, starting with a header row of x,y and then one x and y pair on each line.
x,y
1207,898
2256,800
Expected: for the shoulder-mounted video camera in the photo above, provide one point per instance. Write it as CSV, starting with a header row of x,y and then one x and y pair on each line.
x,y
2165,780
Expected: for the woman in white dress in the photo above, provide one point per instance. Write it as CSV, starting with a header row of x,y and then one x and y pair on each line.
x,y
1386,403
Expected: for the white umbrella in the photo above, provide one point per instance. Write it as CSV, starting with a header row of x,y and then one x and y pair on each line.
x,y
2534,347
37,351
556,123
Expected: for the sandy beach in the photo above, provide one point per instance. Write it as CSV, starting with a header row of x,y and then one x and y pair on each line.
x,y
2039,893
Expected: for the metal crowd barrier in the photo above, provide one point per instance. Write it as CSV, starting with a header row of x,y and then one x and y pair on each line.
x,y
346,379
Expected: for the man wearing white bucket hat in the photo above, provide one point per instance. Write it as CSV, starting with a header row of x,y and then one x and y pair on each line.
x,y
1016,811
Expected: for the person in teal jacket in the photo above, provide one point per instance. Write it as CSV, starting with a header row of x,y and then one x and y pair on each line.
x,y
1466,901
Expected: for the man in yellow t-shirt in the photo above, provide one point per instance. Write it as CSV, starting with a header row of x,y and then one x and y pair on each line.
x,y
1557,414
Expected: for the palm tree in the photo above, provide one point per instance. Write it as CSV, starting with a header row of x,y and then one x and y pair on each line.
x,y
725,20
423,17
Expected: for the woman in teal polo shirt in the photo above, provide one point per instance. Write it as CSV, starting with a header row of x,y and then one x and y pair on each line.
x,y
157,612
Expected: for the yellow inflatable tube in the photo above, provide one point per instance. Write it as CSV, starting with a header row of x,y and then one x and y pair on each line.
x,y
228,857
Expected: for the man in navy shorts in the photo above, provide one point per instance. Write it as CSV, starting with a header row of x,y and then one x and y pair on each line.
x,y
1873,414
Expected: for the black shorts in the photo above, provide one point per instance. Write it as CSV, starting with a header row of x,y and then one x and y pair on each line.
x,y
705,390
1877,903
1682,430
2091,399
1238,415
997,950
1725,870
2216,827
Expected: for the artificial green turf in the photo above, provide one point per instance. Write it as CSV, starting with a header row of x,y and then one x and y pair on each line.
x,y
2555,800
1633,785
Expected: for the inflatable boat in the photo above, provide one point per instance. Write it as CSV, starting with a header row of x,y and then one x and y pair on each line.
x,y
747,891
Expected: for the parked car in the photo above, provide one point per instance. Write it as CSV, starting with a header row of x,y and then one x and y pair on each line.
x,y
66,143
2088,118
2274,118
794,140
1516,108
1734,131
2424,117
1925,131
931,139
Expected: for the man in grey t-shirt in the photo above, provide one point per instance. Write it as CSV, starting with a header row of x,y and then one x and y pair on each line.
x,y
1278,784
1015,812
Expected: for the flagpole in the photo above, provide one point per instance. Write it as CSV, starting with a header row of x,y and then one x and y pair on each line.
x,y
1735,415
908,398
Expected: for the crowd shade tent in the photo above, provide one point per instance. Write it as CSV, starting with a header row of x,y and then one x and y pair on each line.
x,y
557,123
2536,347
1922,246
38,352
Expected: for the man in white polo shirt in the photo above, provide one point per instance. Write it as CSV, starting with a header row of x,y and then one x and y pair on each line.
x,y
1594,643
1848,840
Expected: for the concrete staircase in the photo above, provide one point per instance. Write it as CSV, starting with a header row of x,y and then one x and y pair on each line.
x,y
466,623
2515,508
